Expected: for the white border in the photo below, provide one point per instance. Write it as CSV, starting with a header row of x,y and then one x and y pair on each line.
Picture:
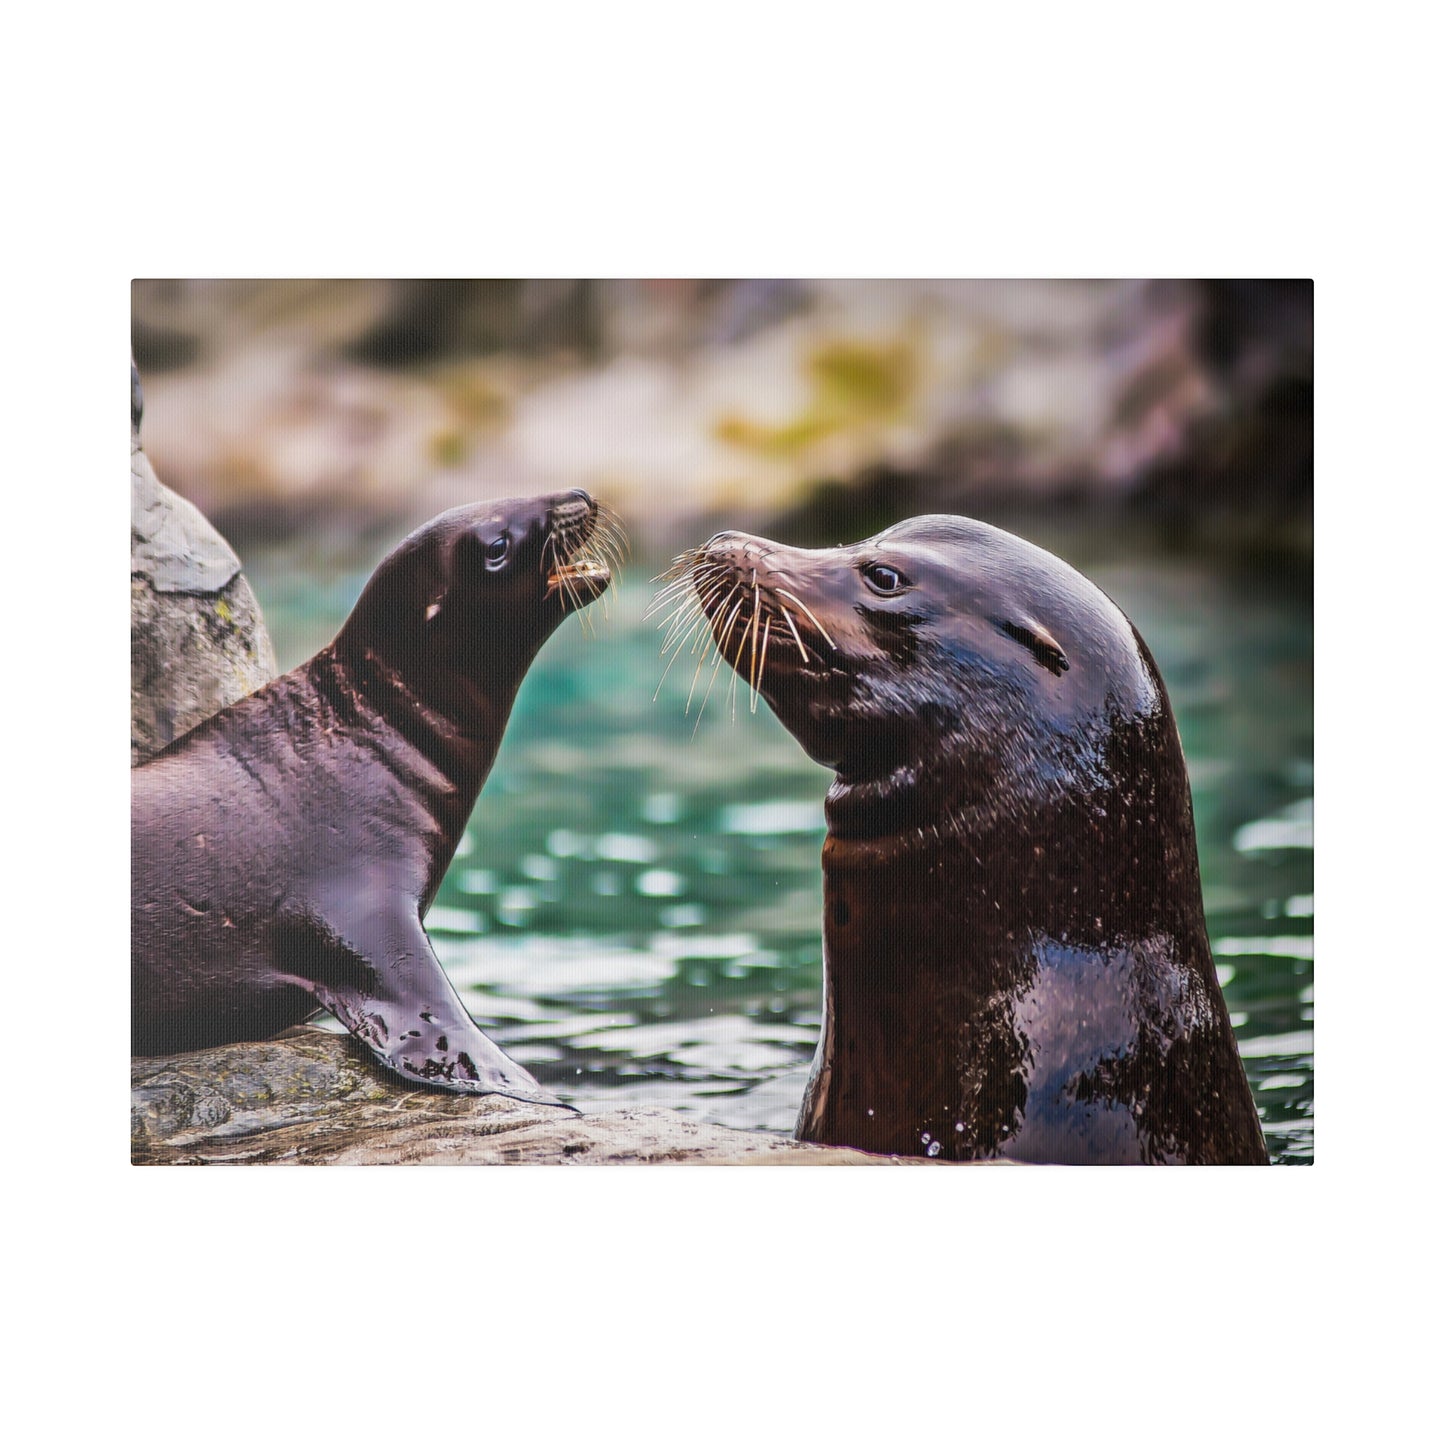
x,y
1238,140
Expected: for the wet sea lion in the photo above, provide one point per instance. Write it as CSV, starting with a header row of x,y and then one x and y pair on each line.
x,y
1015,957
286,850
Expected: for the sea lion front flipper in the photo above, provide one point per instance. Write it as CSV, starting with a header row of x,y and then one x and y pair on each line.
x,y
379,976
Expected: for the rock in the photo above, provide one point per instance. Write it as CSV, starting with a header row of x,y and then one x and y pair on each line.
x,y
314,1097
198,641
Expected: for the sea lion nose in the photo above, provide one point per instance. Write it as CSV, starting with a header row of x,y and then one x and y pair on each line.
x,y
572,507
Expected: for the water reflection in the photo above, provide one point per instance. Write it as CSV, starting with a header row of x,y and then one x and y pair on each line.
x,y
635,913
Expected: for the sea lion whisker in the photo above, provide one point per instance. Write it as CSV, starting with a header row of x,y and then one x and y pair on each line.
x,y
671,623
689,615
788,618
707,590
729,624
612,532
696,629
677,652
706,600
792,597
615,545
712,678
678,617
696,673
693,628
659,604
613,522
737,663
680,586
763,661
680,565
753,665
704,604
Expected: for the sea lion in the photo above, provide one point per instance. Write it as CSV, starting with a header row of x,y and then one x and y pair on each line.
x,y
285,851
1015,957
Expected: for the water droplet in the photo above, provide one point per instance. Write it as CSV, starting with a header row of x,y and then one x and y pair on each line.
x,y
958,1127
935,1149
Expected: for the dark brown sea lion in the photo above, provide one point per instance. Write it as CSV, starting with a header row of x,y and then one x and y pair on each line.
x,y
286,850
1014,945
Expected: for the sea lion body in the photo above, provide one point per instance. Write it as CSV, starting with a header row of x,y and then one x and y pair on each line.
x,y
1016,963
285,851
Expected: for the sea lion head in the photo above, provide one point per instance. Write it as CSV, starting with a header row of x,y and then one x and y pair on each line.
x,y
467,599
937,667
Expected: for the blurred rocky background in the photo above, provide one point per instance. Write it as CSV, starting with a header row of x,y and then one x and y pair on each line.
x,y
342,410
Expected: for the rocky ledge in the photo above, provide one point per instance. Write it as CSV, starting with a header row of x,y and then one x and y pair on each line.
x,y
312,1097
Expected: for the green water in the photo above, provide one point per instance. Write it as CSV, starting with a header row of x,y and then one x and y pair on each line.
x,y
635,911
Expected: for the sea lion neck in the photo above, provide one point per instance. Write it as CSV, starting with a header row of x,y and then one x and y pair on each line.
x,y
452,735
1059,843
942,778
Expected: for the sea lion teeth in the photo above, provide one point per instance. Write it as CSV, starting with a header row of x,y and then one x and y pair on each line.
x,y
332,800
1015,957
592,571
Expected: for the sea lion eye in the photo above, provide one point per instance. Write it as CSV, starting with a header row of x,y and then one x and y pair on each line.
x,y
497,550
884,579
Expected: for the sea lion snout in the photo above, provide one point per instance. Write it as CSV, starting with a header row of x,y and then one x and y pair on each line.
x,y
750,580
584,545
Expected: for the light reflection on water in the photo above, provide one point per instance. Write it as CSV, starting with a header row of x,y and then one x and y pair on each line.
x,y
635,912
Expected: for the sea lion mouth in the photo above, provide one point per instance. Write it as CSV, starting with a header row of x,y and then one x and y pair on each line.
x,y
584,546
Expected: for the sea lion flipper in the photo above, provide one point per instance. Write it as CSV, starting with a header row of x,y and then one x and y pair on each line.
x,y
384,982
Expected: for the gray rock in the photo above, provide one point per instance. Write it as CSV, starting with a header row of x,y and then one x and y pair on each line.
x,y
313,1097
198,640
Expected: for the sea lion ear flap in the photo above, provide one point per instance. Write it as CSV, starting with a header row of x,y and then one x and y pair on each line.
x,y
1038,641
